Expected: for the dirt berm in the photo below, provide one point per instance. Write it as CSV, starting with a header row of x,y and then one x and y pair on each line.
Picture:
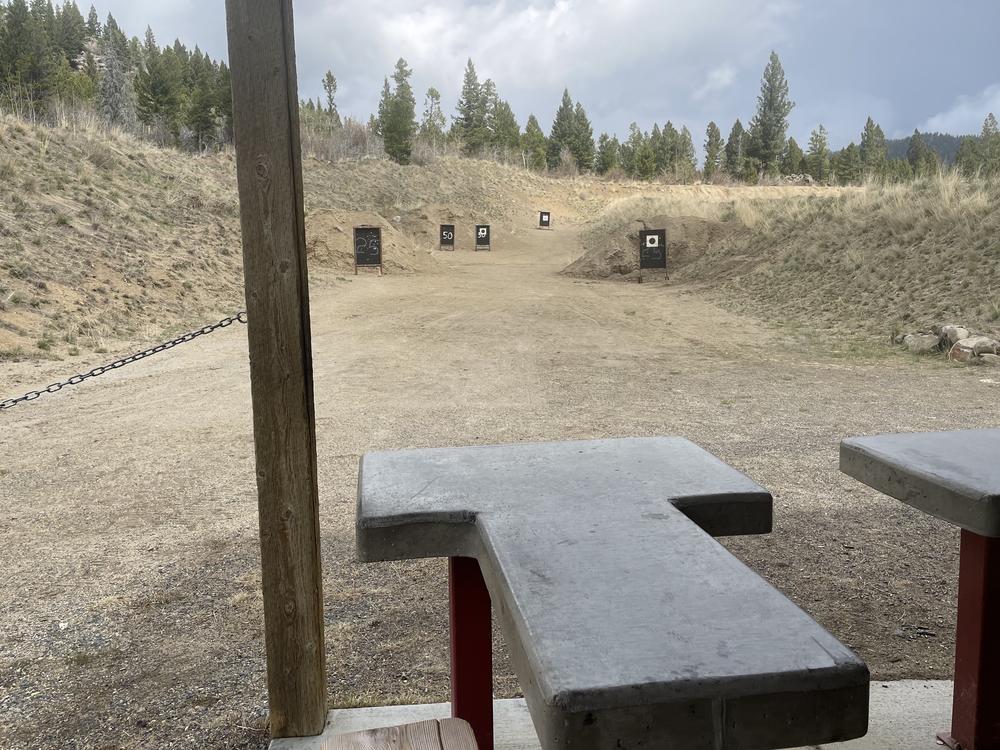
x,y
612,252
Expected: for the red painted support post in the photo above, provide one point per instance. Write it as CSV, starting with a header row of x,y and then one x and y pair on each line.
x,y
975,722
471,648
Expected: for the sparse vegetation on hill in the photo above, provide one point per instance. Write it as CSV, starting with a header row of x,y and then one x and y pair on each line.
x,y
868,260
105,239
863,261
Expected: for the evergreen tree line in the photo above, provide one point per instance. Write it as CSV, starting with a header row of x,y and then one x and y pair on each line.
x,y
52,59
484,125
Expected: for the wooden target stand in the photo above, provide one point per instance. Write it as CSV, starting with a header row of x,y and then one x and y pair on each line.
x,y
272,223
545,221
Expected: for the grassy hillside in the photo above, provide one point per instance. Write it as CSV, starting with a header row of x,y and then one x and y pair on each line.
x,y
869,260
106,241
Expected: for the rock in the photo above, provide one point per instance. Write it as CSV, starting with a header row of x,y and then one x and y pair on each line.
x,y
970,349
990,359
977,345
954,334
922,343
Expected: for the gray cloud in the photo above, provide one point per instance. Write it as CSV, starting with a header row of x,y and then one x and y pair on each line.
x,y
905,63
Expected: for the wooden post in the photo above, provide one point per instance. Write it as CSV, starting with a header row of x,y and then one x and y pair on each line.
x,y
269,171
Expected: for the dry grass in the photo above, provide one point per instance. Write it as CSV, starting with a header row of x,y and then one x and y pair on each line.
x,y
869,260
92,249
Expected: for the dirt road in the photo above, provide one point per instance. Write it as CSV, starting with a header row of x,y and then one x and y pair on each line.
x,y
132,615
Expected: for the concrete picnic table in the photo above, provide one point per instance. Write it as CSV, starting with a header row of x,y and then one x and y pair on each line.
x,y
954,476
628,625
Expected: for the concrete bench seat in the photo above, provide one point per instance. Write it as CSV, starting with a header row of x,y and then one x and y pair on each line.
x,y
954,476
628,625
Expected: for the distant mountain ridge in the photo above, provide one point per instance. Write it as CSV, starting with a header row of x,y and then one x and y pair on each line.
x,y
944,145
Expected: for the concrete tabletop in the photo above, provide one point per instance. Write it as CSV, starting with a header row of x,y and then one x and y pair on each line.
x,y
954,476
628,625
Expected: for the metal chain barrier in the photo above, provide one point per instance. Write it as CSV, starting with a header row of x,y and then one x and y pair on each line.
x,y
10,403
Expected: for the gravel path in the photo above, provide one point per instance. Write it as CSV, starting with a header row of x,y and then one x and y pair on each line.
x,y
132,613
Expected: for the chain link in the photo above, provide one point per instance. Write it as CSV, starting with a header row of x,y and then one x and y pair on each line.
x,y
10,403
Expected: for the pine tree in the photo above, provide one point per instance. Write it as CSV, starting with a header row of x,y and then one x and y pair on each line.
x,y
200,114
989,146
400,124
115,94
384,104
71,30
582,146
26,50
224,101
330,87
713,151
668,157
736,150
159,88
645,161
818,158
607,154
657,143
874,151
770,124
563,130
93,23
113,36
792,161
534,145
506,131
923,161
970,158
470,121
630,149
687,162
849,167
433,122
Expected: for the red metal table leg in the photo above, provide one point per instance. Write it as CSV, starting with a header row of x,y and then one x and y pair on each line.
x,y
471,648
975,721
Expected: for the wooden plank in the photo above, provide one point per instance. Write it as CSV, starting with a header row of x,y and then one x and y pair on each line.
x,y
457,735
448,734
269,170
424,735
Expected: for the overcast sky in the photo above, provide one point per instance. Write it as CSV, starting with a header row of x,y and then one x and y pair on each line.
x,y
908,63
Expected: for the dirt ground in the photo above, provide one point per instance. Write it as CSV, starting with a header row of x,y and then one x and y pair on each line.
x,y
131,598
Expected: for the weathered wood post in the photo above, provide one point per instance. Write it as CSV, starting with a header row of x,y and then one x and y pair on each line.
x,y
269,170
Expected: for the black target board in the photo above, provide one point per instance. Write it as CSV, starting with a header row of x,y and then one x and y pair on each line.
x,y
653,248
482,237
367,248
544,220
448,236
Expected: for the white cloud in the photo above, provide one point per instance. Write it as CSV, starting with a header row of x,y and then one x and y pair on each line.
x,y
641,56
966,115
718,80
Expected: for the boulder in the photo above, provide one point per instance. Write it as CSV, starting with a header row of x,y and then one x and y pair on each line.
x,y
970,349
922,343
993,360
954,334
